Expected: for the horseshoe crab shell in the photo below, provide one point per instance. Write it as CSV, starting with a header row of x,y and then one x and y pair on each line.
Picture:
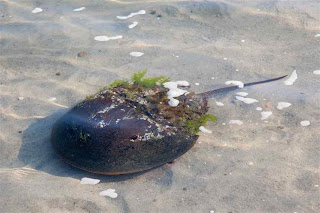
x,y
126,128
130,127
102,137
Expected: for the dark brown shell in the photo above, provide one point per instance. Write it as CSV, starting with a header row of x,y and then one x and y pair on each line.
x,y
100,137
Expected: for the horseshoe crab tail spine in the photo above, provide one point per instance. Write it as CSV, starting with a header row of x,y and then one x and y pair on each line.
x,y
211,93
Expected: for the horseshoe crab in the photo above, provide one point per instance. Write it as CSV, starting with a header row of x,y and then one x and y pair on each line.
x,y
133,126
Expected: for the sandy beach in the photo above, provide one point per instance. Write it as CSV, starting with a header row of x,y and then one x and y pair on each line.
x,y
263,152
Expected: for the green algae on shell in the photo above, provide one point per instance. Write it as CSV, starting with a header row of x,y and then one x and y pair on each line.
x,y
128,127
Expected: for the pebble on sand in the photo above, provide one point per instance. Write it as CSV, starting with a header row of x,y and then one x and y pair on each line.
x,y
242,93
203,129
238,122
317,35
89,181
136,54
247,100
291,79
37,10
20,98
141,12
109,193
305,123
82,53
238,83
79,9
265,114
282,105
135,23
52,98
219,103
106,38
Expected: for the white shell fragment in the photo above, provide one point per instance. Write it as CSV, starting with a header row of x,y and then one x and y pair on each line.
x,y
79,9
282,105
238,122
291,79
258,108
242,93
317,35
135,23
247,100
219,103
203,129
141,12
20,98
109,193
238,83
89,181
106,38
52,98
37,10
136,54
305,123
174,91
317,72
265,114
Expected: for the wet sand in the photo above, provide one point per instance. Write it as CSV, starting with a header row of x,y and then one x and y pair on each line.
x,y
50,60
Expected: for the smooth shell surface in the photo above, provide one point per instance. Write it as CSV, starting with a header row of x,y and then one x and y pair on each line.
x,y
101,137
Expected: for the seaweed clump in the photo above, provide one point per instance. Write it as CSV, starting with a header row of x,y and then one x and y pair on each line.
x,y
150,97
